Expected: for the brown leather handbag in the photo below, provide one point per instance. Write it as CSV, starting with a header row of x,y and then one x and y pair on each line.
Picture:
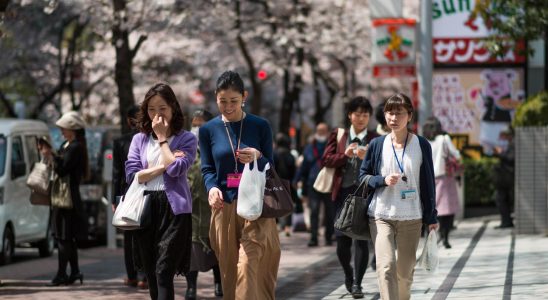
x,y
277,196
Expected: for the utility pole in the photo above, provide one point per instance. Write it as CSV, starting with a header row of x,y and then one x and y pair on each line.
x,y
425,63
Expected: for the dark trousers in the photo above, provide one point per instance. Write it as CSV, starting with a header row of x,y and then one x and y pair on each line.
x,y
503,198
68,253
192,277
164,246
129,258
446,223
315,200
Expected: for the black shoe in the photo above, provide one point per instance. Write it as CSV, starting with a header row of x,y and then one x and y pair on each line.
x,y
190,293
73,277
328,242
447,245
58,280
312,243
218,289
502,226
348,281
357,292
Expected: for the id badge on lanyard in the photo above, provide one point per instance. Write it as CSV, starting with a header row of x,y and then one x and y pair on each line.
x,y
233,180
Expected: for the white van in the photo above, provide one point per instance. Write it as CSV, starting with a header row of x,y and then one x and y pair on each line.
x,y
21,223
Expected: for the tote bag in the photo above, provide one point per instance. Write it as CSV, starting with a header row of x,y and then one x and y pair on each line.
x,y
352,219
38,179
251,192
324,180
60,192
133,210
278,201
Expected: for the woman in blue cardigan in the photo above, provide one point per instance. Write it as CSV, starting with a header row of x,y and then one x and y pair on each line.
x,y
159,157
248,251
401,167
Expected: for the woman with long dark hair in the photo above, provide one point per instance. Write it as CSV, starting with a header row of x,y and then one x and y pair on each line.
x,y
159,156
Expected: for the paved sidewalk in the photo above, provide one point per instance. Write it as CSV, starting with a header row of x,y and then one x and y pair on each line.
x,y
484,263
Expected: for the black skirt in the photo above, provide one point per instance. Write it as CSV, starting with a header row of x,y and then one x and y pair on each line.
x,y
165,244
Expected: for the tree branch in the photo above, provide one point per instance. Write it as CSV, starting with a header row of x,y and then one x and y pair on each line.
x,y
7,104
141,40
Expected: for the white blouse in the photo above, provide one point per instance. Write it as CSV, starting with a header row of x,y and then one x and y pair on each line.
x,y
387,202
153,153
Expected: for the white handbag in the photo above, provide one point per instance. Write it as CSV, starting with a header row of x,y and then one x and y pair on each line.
x,y
324,180
251,192
131,212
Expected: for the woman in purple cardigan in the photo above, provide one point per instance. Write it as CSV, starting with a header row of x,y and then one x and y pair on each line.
x,y
159,157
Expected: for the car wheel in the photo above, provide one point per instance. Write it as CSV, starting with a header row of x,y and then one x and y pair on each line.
x,y
8,247
47,245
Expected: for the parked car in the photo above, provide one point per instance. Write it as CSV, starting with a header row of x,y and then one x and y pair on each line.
x,y
93,191
21,223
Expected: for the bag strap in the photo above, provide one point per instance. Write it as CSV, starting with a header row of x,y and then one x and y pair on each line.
x,y
365,184
340,133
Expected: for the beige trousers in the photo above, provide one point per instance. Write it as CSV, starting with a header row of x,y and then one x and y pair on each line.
x,y
248,253
395,276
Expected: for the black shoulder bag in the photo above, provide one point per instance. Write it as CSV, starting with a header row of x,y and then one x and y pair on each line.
x,y
352,220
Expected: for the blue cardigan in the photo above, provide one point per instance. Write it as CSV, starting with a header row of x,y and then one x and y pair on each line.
x,y
371,165
216,153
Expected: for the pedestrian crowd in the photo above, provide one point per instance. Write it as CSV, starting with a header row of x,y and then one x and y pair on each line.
x,y
191,182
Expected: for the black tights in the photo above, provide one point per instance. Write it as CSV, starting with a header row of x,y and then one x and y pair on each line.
x,y
192,277
446,223
68,253
361,257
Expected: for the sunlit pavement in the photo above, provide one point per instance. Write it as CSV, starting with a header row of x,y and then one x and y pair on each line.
x,y
484,263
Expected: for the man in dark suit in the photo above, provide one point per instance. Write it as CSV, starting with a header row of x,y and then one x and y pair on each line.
x,y
120,150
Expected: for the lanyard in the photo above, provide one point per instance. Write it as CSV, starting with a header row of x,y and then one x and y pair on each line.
x,y
232,145
400,165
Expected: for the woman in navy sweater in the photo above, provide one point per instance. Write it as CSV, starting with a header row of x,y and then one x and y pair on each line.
x,y
404,197
248,251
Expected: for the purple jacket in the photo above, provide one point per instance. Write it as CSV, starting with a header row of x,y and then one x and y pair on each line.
x,y
175,178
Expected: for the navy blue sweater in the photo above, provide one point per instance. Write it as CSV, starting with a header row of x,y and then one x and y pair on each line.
x,y
216,153
371,165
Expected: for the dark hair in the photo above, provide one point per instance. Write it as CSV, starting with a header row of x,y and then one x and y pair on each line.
x,y
132,111
432,128
81,138
358,103
230,80
202,113
163,90
398,100
282,140
132,114
379,114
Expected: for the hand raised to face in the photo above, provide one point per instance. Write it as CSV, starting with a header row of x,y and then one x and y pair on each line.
x,y
160,126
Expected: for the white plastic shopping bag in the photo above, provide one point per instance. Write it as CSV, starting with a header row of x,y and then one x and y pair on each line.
x,y
251,192
429,257
130,212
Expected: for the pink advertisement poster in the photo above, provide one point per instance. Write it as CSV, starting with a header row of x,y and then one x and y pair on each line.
x,y
478,102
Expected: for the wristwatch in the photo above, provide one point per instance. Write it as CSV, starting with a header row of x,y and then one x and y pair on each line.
x,y
162,142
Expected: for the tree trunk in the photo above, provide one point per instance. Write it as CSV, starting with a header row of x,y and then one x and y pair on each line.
x,y
256,104
8,106
124,64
